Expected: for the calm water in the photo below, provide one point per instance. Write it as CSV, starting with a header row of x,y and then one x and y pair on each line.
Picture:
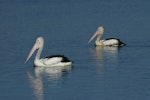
x,y
97,73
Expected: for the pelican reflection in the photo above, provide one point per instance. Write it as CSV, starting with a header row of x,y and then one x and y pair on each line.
x,y
37,85
103,55
36,80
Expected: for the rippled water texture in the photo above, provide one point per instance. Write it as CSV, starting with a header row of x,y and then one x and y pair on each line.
x,y
107,73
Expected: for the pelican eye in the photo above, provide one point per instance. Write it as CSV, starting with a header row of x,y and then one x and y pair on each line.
x,y
38,41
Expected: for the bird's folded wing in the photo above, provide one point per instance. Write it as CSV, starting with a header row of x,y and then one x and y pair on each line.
x,y
52,61
110,42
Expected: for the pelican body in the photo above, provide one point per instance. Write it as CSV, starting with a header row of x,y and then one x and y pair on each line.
x,y
49,61
106,42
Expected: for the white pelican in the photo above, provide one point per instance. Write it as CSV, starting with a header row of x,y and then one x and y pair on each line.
x,y
106,42
49,61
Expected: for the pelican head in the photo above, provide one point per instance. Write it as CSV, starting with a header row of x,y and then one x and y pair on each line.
x,y
38,45
99,32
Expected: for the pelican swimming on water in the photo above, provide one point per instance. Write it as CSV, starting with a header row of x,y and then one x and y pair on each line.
x,y
106,42
49,61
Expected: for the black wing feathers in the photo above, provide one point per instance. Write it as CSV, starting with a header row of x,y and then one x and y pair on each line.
x,y
64,59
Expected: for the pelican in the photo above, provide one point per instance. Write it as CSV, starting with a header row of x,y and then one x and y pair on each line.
x,y
106,42
49,61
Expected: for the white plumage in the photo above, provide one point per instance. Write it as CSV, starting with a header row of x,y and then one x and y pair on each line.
x,y
107,42
50,61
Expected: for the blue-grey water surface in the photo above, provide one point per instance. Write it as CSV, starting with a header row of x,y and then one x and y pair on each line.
x,y
107,73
